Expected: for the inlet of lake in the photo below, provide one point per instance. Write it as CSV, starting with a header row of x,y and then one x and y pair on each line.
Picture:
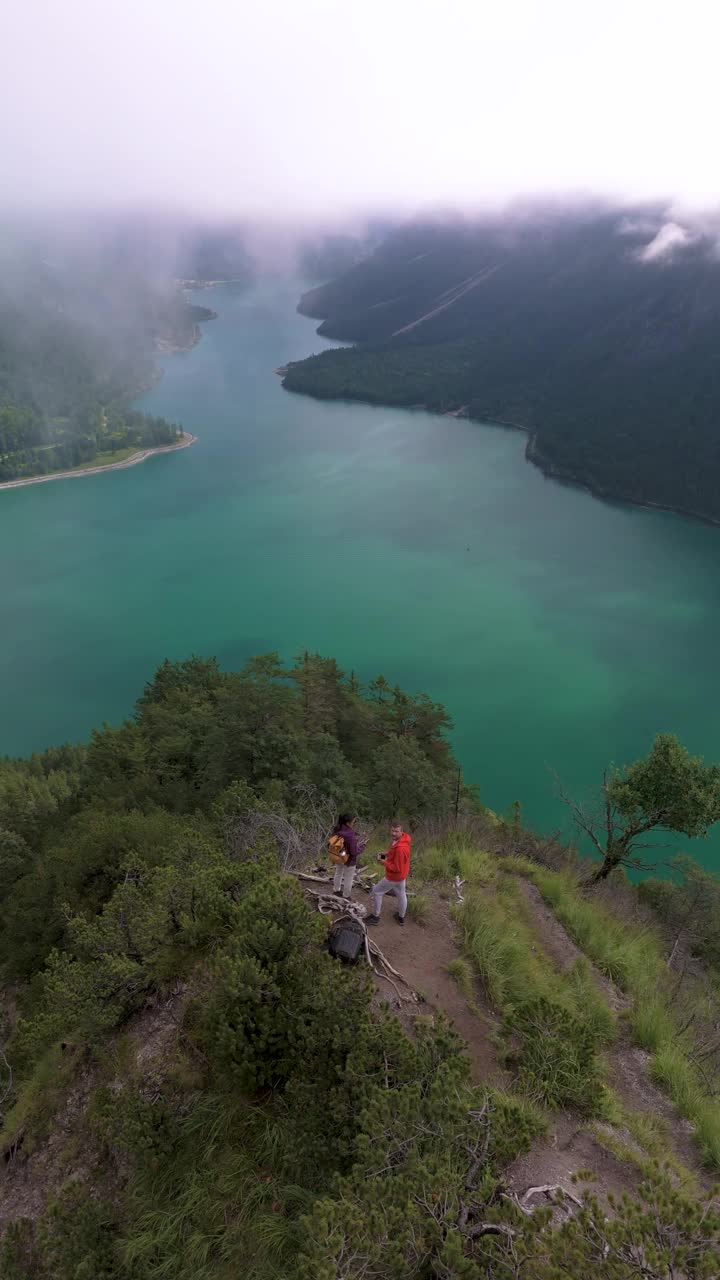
x,y
560,631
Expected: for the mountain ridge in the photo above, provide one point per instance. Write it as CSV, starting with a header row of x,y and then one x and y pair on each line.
x,y
567,328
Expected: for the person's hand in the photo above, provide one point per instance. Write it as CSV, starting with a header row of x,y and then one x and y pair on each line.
x,y
382,857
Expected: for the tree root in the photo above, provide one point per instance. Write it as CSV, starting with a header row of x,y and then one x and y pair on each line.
x,y
330,903
549,1189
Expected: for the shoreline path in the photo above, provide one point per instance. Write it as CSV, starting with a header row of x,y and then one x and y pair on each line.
x,y
132,461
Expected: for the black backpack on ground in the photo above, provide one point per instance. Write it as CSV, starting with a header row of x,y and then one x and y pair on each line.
x,y
347,940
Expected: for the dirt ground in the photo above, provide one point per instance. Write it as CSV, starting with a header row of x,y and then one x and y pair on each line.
x,y
422,953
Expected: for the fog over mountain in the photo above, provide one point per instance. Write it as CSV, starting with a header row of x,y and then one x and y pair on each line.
x,y
297,110
548,153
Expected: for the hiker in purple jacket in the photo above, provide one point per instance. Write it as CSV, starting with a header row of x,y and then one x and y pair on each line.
x,y
354,845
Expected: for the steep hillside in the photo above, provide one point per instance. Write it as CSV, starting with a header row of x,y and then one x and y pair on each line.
x,y
583,329
79,333
193,1087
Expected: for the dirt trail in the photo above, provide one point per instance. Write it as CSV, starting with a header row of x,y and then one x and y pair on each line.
x,y
422,953
558,944
569,1148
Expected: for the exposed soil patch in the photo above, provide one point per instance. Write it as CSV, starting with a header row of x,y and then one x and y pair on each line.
x,y
569,1149
422,953
27,1183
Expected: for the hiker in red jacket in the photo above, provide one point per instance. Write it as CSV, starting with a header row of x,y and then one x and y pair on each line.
x,y
397,867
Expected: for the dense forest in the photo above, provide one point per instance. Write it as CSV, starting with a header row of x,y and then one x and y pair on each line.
x,y
80,325
191,1086
570,326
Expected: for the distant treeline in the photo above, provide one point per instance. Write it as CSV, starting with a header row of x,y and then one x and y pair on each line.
x,y
30,446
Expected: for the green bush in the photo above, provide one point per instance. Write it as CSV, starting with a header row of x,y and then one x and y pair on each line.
x,y
557,1056
500,949
460,970
77,1239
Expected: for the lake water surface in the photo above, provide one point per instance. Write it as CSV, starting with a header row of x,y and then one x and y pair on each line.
x,y
560,631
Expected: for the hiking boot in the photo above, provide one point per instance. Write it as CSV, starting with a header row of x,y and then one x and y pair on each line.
x,y
372,919
400,919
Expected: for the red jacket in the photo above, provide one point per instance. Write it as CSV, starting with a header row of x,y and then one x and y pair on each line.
x,y
397,859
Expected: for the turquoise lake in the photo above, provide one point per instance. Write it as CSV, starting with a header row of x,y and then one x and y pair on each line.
x,y
560,631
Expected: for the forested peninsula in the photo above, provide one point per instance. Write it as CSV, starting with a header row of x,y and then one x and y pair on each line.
x,y
78,341
579,328
521,1083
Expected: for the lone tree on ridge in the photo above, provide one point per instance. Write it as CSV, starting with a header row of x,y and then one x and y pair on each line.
x,y
667,790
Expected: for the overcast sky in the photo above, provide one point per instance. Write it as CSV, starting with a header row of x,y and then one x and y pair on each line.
x,y
314,106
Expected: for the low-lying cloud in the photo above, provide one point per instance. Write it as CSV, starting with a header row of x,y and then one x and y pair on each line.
x,y
310,108
669,240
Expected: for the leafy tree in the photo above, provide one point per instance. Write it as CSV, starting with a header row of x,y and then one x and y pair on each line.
x,y
15,858
668,790
404,781
29,801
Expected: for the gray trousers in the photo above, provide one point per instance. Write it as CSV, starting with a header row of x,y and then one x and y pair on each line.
x,y
389,886
343,880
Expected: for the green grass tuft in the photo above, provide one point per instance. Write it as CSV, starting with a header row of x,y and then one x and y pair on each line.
x,y
651,1022
500,950
419,908
460,970
595,1010
447,860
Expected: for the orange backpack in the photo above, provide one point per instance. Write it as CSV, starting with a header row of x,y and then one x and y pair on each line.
x,y
337,852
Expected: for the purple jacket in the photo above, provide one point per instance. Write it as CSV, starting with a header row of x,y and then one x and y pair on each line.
x,y
353,846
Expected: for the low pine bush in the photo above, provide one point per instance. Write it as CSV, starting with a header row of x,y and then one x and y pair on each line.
x,y
557,1056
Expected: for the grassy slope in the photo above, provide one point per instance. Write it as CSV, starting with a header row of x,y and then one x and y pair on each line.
x,y
502,947
632,957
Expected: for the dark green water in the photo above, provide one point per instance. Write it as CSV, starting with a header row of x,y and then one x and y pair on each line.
x,y
559,630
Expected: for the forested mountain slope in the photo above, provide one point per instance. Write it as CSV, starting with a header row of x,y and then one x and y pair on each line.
x,y
587,330
191,1086
79,331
